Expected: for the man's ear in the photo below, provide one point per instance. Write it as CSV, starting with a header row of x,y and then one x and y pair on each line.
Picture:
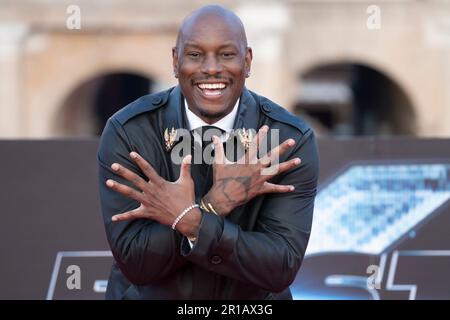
x,y
248,60
175,61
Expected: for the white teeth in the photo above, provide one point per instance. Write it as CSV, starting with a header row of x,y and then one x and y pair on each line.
x,y
212,86
212,93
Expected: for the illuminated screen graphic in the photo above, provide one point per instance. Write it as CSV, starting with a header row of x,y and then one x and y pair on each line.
x,y
362,217
369,207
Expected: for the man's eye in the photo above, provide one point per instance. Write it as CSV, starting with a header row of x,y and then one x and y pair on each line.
x,y
193,54
228,55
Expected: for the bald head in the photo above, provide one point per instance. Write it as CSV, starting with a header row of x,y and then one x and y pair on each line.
x,y
211,14
211,61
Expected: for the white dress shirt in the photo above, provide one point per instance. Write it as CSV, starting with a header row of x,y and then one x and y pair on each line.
x,y
226,123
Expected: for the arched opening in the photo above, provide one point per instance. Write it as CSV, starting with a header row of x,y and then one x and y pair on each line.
x,y
88,107
353,99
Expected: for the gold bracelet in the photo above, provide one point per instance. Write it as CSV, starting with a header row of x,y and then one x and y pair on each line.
x,y
203,206
208,207
212,209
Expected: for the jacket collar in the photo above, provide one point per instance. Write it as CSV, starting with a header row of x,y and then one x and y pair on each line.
x,y
175,115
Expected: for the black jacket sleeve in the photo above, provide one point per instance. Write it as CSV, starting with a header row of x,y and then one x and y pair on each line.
x,y
145,251
270,256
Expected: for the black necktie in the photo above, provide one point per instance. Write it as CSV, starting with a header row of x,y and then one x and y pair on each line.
x,y
202,160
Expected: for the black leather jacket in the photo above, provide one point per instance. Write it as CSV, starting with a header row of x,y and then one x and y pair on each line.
x,y
253,253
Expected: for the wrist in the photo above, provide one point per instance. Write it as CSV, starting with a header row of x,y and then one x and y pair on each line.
x,y
212,204
190,223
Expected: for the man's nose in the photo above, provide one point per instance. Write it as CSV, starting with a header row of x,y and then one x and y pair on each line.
x,y
211,65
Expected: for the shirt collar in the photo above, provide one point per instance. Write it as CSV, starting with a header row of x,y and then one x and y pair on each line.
x,y
226,123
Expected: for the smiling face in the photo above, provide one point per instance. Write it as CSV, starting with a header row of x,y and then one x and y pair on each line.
x,y
211,61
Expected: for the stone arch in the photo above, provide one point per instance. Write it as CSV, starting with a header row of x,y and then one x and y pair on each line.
x,y
350,97
86,107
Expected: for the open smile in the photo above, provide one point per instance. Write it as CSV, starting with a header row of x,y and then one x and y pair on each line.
x,y
212,90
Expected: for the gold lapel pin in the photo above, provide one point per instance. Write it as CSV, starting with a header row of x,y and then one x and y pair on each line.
x,y
169,138
246,138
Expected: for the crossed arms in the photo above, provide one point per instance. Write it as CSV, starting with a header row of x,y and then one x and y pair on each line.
x,y
139,206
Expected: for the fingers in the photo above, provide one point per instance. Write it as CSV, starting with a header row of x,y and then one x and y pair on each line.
x,y
276,188
262,133
146,168
276,152
275,169
219,153
185,170
258,141
287,165
125,190
250,156
129,175
130,215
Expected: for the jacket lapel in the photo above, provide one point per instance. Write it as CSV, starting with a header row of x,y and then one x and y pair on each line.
x,y
174,117
248,112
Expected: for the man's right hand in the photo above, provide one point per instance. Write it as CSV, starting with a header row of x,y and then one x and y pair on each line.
x,y
236,183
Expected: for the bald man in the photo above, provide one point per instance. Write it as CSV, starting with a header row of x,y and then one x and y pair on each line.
x,y
233,223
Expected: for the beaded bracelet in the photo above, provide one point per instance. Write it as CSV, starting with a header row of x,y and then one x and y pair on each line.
x,y
182,214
